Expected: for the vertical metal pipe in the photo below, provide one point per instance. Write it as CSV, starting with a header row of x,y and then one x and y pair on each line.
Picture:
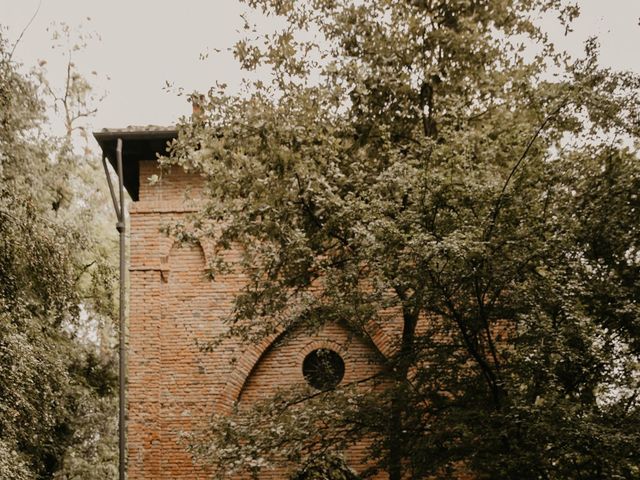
x,y
110,183
122,353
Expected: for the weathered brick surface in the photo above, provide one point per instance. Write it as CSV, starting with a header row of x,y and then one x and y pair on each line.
x,y
174,385
281,366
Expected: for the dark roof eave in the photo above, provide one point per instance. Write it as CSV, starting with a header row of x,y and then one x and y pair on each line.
x,y
139,143
113,134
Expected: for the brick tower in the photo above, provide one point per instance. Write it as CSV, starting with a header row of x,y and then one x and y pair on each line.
x,y
173,386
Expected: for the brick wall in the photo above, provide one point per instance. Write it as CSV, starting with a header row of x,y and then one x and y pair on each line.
x,y
174,386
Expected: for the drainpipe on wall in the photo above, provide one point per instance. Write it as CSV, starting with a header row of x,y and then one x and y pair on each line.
x,y
119,207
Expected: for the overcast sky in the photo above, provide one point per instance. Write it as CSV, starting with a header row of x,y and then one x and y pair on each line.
x,y
145,43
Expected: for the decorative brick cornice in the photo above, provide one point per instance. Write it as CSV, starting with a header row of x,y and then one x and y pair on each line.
x,y
163,206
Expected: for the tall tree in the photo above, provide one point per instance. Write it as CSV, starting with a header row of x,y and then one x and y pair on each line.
x,y
56,387
440,159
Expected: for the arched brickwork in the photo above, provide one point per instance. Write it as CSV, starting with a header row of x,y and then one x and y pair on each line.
x,y
241,371
168,248
378,340
316,343
186,264
280,366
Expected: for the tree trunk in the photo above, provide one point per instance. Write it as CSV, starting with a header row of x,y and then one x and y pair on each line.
x,y
398,403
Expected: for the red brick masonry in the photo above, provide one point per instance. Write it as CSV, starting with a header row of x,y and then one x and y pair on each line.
x,y
173,386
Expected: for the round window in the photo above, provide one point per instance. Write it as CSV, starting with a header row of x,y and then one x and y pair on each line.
x,y
323,369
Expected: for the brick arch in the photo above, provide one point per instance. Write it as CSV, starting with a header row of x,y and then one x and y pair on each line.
x,y
207,248
247,362
315,344
250,358
380,339
185,263
168,245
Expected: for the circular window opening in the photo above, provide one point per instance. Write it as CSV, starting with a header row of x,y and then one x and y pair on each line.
x,y
323,369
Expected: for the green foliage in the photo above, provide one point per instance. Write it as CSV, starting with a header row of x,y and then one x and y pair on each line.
x,y
277,431
56,388
417,156
324,467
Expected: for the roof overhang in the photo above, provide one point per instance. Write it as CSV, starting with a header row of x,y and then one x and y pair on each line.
x,y
138,143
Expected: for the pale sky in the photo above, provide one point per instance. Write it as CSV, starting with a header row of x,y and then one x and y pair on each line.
x,y
145,43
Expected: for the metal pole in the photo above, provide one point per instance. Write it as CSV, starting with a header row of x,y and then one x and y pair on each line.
x,y
118,206
122,354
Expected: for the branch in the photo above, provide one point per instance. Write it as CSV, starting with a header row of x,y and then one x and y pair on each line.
x,y
84,269
485,368
496,210
290,403
24,30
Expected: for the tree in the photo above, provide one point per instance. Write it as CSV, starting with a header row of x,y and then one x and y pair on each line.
x,y
57,416
439,159
325,468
